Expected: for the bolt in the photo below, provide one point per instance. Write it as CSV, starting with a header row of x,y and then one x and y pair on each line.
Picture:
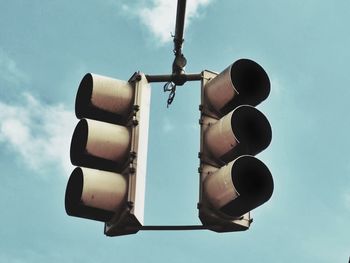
x,y
136,108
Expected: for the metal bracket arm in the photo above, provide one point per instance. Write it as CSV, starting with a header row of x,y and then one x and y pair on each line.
x,y
175,78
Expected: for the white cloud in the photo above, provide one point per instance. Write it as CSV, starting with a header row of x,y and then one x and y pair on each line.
x,y
38,133
161,16
9,70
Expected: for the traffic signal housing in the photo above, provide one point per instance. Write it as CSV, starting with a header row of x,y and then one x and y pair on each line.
x,y
232,180
109,146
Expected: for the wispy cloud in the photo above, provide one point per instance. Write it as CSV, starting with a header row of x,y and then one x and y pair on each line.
x,y
167,126
347,199
159,16
277,87
9,70
38,133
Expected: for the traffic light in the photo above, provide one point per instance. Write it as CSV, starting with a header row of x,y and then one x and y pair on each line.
x,y
232,180
109,146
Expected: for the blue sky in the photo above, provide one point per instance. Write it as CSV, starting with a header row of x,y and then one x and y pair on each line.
x,y
47,46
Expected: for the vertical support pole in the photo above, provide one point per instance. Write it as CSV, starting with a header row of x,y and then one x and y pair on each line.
x,y
179,27
180,60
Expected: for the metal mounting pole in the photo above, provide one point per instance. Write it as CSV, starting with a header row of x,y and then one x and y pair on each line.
x,y
180,60
178,76
179,27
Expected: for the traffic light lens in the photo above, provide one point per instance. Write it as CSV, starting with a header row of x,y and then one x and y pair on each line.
x,y
251,177
78,143
251,128
73,192
251,81
253,182
83,97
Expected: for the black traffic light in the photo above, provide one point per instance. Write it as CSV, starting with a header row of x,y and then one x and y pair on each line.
x,y
232,181
109,146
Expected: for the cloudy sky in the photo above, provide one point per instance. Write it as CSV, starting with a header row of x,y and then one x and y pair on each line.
x,y
46,47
